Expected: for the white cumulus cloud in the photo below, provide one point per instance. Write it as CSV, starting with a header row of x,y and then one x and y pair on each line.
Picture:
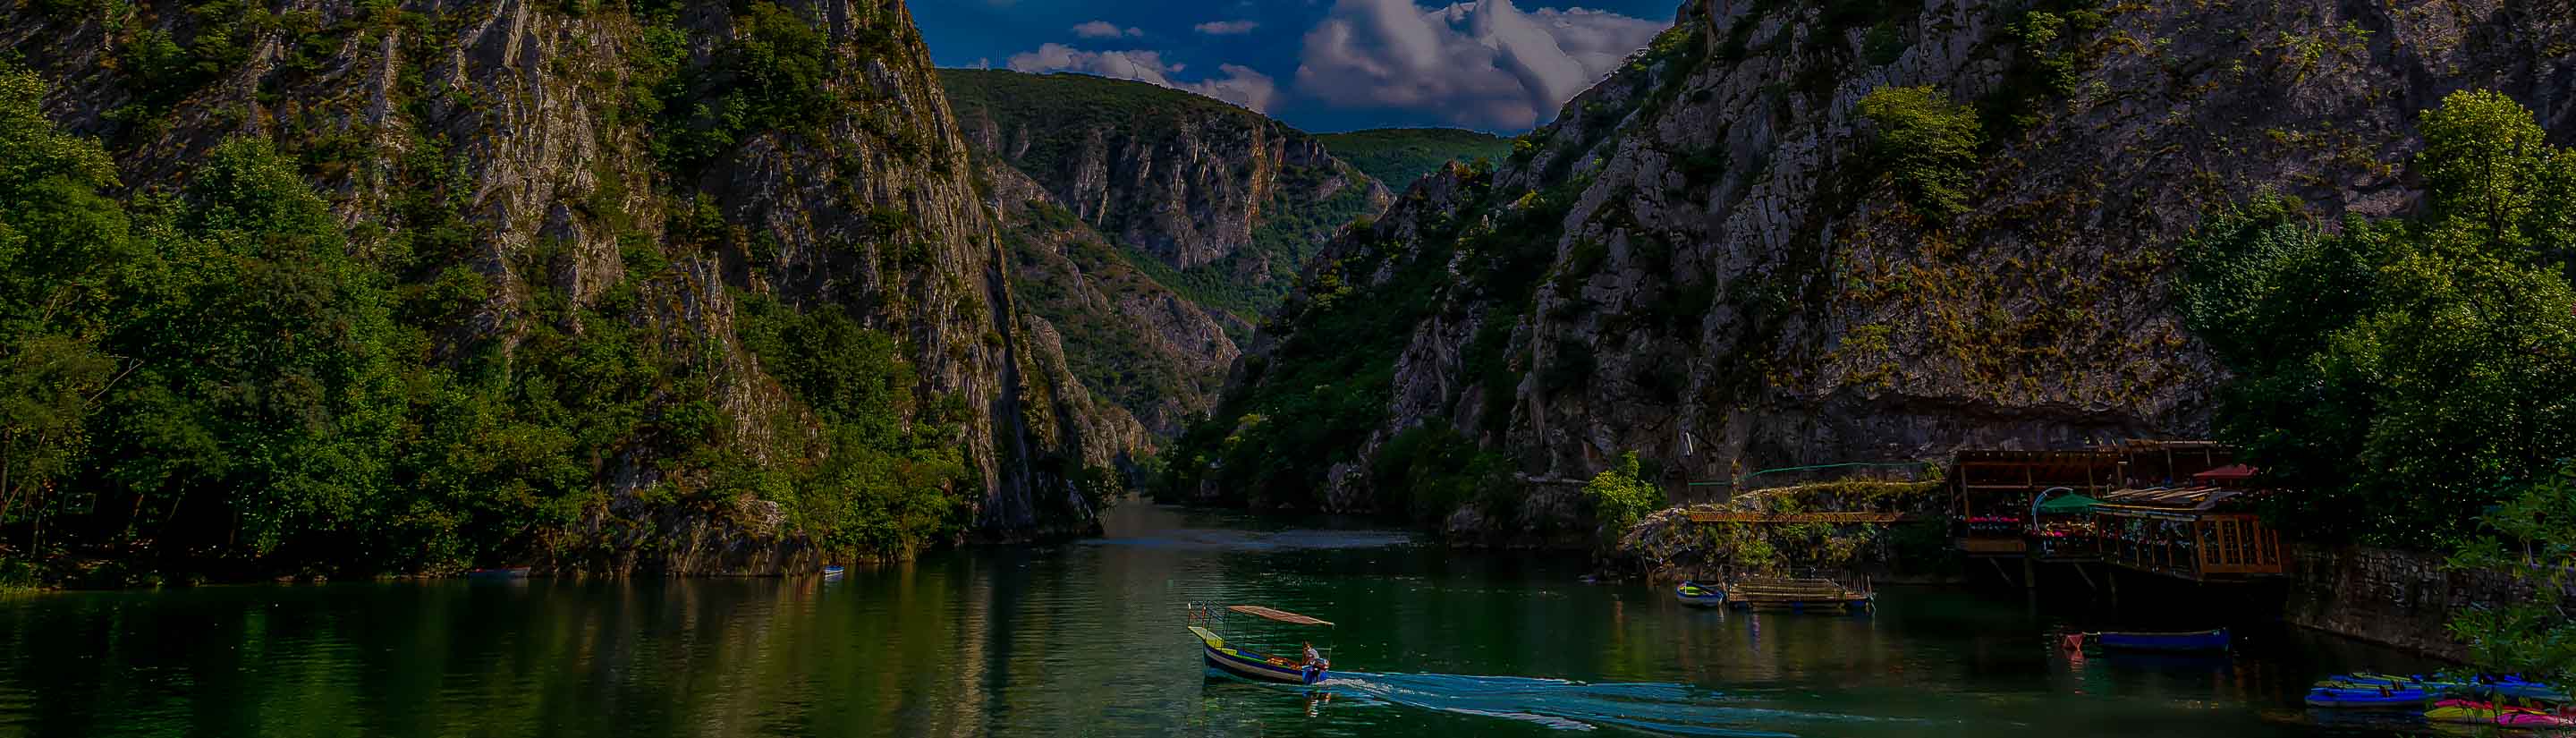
x,y
1483,64
1235,83
1227,28
1106,29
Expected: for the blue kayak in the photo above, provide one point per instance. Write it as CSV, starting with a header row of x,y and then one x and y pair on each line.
x,y
2207,640
2348,698
2511,687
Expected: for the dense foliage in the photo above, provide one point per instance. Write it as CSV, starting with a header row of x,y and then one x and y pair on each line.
x,y
1399,156
2532,538
1620,496
218,380
2404,373
2415,378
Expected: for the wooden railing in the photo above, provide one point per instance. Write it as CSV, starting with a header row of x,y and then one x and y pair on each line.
x,y
2237,544
1713,516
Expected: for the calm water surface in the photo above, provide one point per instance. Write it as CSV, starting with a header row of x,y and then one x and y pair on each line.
x,y
1087,639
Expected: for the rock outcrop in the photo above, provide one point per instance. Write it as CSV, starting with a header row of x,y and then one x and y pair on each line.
x,y
1730,281
549,132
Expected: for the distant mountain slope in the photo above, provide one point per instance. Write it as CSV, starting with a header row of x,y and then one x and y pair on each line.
x,y
1398,156
1225,204
1130,339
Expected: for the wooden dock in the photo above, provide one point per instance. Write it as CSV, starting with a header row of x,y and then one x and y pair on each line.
x,y
1783,593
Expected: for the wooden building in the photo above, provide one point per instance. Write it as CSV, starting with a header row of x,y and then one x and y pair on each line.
x,y
1994,492
2202,531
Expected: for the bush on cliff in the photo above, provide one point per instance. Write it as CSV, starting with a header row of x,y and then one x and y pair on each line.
x,y
1926,144
1620,496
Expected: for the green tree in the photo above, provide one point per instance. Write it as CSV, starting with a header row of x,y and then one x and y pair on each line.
x,y
63,246
2402,372
2485,162
266,388
1620,496
1926,144
2532,538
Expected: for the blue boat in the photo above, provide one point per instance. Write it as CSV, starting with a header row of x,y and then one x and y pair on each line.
x,y
2198,641
834,572
2367,698
1699,595
513,572
1250,665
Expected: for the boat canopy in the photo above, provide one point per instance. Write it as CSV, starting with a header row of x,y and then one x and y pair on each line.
x,y
1279,615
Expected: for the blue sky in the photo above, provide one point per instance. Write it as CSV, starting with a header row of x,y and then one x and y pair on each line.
x,y
1322,65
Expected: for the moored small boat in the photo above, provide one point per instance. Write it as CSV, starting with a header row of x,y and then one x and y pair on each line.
x,y
508,572
834,572
1252,665
2195,641
1699,595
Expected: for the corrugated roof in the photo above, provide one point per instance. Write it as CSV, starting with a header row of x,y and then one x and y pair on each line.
x,y
2171,498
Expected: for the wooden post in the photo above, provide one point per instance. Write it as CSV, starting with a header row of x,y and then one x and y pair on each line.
x,y
2029,572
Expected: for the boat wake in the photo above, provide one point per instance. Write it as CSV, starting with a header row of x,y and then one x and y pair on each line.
x,y
1670,709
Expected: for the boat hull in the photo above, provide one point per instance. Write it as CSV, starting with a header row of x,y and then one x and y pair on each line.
x,y
1252,665
1256,667
1698,596
2214,640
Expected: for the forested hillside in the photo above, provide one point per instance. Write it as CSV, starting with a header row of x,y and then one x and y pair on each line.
x,y
1399,156
390,287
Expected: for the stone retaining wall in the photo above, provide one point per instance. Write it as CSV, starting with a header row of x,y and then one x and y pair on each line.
x,y
2396,598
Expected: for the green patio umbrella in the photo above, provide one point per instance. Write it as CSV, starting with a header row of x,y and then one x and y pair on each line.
x,y
2068,504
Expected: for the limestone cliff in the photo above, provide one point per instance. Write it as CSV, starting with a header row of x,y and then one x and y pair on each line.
x,y
1725,280
565,152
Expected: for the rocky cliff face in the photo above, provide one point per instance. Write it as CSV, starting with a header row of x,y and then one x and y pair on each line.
x,y
562,162
1731,281
1213,191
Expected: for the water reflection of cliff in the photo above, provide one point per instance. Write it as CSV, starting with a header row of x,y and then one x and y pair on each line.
x,y
1080,639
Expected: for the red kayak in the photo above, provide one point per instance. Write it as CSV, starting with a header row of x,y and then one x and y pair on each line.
x,y
2489,713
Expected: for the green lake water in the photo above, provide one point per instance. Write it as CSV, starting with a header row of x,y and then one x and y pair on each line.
x,y
1089,639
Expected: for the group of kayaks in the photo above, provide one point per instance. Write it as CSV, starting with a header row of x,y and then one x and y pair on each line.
x,y
2507,702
